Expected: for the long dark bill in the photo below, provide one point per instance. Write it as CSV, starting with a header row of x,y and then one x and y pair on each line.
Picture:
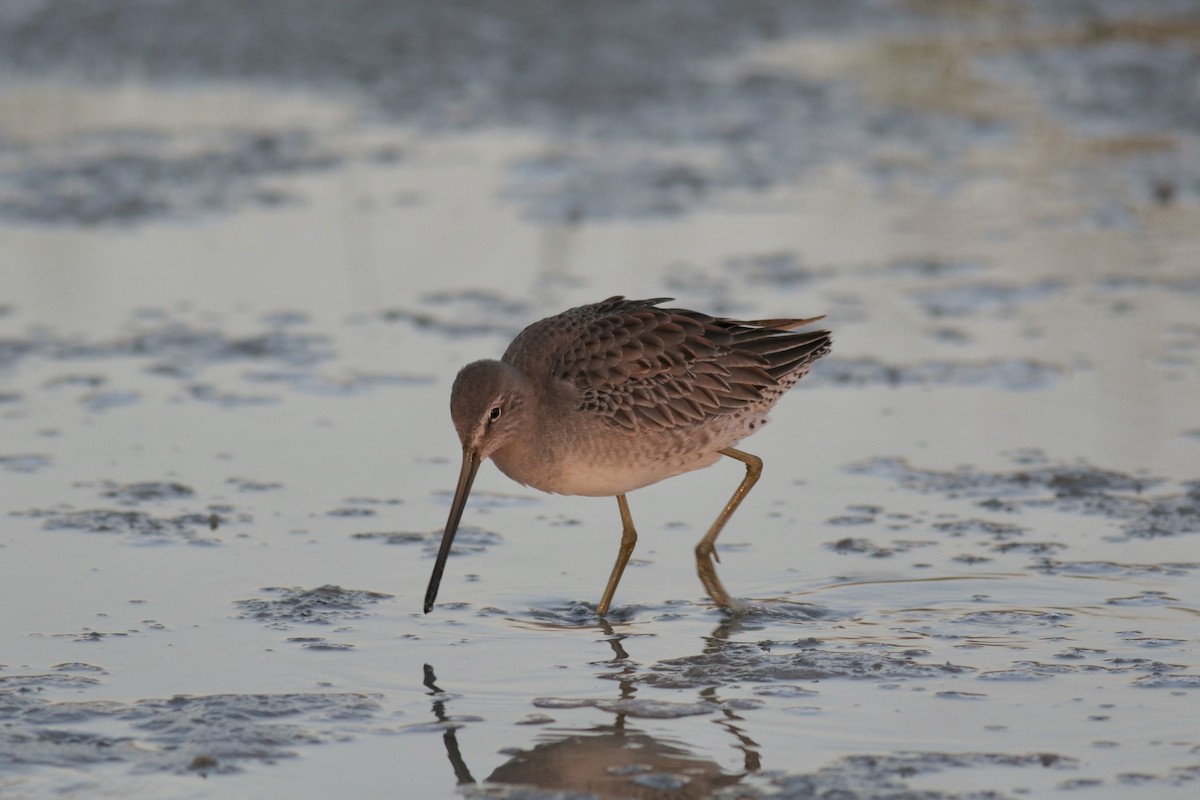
x,y
470,465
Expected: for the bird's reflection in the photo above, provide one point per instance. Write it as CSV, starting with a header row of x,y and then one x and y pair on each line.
x,y
618,759
450,738
615,760
752,762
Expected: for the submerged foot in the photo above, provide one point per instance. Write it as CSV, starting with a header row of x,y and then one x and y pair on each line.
x,y
706,568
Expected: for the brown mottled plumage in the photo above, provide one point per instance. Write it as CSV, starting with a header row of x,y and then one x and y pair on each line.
x,y
606,398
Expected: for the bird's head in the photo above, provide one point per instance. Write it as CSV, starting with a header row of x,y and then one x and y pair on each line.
x,y
489,406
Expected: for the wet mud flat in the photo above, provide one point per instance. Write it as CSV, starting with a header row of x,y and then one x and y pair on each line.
x,y
239,272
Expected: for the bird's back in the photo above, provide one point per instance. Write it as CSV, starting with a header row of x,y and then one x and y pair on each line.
x,y
644,367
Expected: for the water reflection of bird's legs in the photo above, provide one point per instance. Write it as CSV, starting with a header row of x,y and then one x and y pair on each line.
x,y
462,774
751,758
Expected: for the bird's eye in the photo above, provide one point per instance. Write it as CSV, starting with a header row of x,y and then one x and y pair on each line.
x,y
494,414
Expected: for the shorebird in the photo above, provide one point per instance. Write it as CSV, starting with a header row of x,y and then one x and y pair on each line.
x,y
610,397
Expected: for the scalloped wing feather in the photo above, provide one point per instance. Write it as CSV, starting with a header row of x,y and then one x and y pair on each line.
x,y
643,366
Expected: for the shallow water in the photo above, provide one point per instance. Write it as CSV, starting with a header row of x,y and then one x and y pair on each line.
x,y
235,296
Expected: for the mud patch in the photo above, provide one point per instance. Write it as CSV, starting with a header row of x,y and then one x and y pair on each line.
x,y
1146,598
78,666
997,531
320,643
1119,81
861,546
37,683
347,511
582,614
468,312
1182,345
250,485
324,605
1066,481
489,500
859,777
999,537
130,176
983,299
1035,670
131,494
180,350
175,348
1015,620
1169,681
1070,488
356,383
641,130
29,462
469,539
209,734
572,187
780,270
1166,283
1052,566
138,527
1011,375
736,663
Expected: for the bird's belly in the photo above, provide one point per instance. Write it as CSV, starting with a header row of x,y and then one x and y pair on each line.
x,y
615,466
603,480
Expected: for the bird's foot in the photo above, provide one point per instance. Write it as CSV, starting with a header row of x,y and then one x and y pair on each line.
x,y
707,550
707,570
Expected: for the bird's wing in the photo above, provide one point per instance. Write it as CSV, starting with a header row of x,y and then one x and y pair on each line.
x,y
643,366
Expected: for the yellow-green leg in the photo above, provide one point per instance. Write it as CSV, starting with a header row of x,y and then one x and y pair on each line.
x,y
706,553
628,540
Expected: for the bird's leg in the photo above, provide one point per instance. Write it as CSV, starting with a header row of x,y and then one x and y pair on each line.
x,y
628,540
706,554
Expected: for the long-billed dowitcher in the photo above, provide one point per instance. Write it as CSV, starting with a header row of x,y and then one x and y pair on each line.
x,y
607,398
